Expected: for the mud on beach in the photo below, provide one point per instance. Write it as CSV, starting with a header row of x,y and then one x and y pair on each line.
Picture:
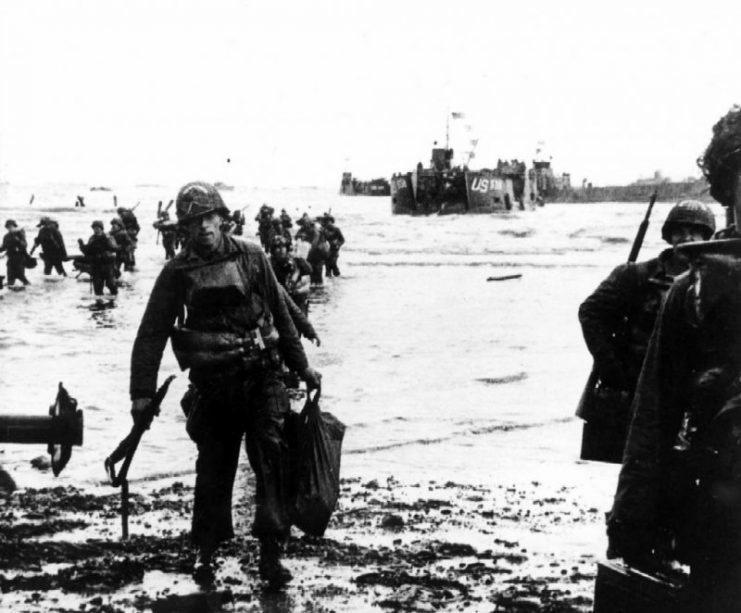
x,y
391,546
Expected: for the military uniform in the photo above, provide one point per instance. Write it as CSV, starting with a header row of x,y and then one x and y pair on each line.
x,y
14,244
53,251
289,274
617,320
679,491
100,253
235,291
336,240
131,226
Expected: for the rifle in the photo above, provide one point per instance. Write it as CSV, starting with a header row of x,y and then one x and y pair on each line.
x,y
586,399
126,449
641,234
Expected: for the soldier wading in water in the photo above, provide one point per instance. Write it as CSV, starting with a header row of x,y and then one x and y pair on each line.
x,y
219,301
617,320
679,490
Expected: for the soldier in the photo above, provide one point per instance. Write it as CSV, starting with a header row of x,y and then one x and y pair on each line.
x,y
235,331
124,246
14,243
286,221
100,253
293,273
617,320
679,490
312,233
236,224
53,251
131,225
264,220
336,240
169,232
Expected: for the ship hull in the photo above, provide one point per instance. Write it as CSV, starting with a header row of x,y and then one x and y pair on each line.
x,y
450,193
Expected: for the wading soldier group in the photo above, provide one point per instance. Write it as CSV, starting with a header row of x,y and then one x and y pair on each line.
x,y
220,302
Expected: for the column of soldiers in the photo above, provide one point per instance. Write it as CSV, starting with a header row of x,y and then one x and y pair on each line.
x,y
666,339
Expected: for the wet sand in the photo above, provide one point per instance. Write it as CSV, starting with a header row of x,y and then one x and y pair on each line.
x,y
395,545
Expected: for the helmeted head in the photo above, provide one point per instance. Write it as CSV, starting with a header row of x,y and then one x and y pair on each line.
x,y
721,162
278,244
197,199
43,221
10,224
116,223
690,215
97,224
328,218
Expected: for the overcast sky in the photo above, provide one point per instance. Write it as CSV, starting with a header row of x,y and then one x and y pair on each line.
x,y
292,93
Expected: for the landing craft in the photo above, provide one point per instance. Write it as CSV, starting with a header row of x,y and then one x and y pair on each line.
x,y
350,186
444,189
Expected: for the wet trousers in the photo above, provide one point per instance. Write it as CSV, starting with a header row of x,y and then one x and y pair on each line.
x,y
103,276
317,268
53,261
331,264
16,267
255,410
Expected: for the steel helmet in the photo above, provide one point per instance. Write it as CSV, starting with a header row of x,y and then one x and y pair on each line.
x,y
116,221
278,241
689,212
197,199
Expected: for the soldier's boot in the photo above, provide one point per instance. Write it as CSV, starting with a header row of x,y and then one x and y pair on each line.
x,y
203,567
271,570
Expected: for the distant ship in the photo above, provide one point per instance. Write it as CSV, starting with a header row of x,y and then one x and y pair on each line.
x,y
351,186
100,188
443,188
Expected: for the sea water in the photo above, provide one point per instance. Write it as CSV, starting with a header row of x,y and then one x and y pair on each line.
x,y
438,373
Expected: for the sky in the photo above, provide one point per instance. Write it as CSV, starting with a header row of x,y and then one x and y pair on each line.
x,y
292,93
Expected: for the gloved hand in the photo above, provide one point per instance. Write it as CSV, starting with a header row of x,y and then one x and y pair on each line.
x,y
139,407
312,377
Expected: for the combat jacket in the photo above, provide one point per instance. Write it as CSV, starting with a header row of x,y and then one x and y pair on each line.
x,y
99,250
233,290
14,243
51,242
335,238
690,372
618,317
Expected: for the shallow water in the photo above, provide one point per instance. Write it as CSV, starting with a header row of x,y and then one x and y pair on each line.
x,y
437,372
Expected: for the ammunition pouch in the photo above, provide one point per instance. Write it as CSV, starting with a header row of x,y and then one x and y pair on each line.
x,y
226,352
193,409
